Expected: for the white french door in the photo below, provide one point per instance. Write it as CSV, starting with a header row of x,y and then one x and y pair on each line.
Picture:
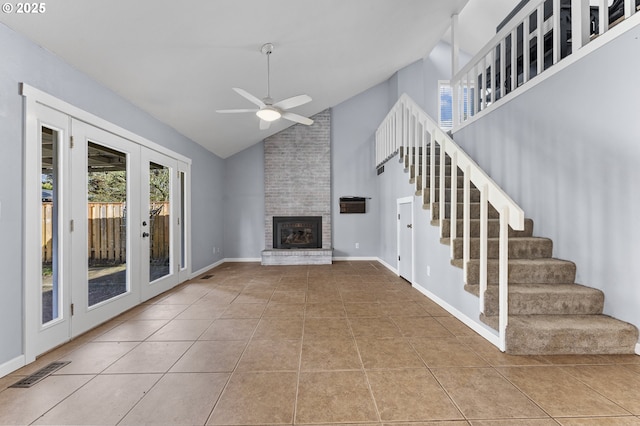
x,y
106,236
106,226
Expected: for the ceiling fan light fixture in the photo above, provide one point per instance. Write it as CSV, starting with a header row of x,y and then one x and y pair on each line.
x,y
269,114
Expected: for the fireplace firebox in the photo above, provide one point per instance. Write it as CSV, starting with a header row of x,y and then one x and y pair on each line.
x,y
292,232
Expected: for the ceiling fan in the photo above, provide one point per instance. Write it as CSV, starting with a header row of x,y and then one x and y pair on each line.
x,y
268,111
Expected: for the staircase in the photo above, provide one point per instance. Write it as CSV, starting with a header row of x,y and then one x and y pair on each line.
x,y
548,312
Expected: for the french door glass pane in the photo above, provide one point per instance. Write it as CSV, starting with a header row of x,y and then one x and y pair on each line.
x,y
51,288
107,223
159,221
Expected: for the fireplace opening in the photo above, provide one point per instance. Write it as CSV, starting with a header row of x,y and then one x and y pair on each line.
x,y
290,232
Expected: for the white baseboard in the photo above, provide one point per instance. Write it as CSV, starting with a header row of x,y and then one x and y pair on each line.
x,y
389,267
12,365
354,258
242,259
205,269
492,338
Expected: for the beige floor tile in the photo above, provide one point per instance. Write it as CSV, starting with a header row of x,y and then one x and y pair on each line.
x,y
432,307
325,310
367,309
9,380
403,309
633,367
22,406
349,296
132,331
600,421
271,355
181,330
446,352
104,400
279,328
411,395
180,298
493,356
456,327
337,353
210,356
289,296
256,399
436,423
560,394
284,310
374,327
230,329
202,311
326,327
421,327
613,381
482,393
515,422
160,312
94,357
622,359
324,296
179,399
334,397
244,310
379,353
218,296
254,296
150,357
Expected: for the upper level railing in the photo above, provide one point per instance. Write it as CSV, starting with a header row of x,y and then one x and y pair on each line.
x,y
538,36
408,129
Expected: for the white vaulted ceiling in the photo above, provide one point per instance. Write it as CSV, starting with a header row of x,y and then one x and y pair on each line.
x,y
178,60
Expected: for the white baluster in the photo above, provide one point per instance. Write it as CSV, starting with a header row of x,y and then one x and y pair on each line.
x,y
484,216
453,223
503,289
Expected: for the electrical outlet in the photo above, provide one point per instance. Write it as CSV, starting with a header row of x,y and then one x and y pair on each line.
x,y
357,245
428,270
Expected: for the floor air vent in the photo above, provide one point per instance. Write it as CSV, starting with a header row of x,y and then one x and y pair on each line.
x,y
206,277
31,380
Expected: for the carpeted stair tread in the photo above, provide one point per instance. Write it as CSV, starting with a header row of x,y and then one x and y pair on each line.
x,y
518,247
569,334
493,228
474,210
544,271
545,299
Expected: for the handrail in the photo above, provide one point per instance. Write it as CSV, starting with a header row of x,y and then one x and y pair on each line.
x,y
517,53
409,130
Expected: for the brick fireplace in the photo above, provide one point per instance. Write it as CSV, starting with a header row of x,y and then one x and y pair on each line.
x,y
297,163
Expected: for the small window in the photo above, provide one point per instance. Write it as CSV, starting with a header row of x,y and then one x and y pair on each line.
x,y
445,105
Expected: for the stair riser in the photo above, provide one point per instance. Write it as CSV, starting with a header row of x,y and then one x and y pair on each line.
x,y
554,272
551,303
474,211
518,249
493,230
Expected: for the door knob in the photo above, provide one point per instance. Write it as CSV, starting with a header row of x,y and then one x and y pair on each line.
x,y
145,234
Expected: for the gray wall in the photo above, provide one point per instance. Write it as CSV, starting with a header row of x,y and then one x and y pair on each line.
x,y
353,172
23,61
568,152
244,204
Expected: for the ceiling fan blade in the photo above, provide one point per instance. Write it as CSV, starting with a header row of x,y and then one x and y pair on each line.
x,y
249,97
293,102
233,111
297,118
264,125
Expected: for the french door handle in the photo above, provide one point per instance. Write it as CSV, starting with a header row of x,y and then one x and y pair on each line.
x,y
410,225
145,234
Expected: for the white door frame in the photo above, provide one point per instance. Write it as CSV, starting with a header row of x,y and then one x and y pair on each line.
x,y
399,202
33,98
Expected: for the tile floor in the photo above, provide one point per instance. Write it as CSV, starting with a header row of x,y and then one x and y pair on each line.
x,y
335,344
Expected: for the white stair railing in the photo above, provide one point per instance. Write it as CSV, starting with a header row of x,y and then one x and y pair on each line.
x,y
408,129
541,34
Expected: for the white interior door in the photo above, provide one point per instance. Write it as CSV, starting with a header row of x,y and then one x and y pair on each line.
x,y
405,239
106,225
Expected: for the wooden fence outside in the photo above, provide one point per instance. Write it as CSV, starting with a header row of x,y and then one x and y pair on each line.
x,y
106,235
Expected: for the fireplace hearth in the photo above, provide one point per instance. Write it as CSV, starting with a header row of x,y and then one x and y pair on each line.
x,y
297,232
